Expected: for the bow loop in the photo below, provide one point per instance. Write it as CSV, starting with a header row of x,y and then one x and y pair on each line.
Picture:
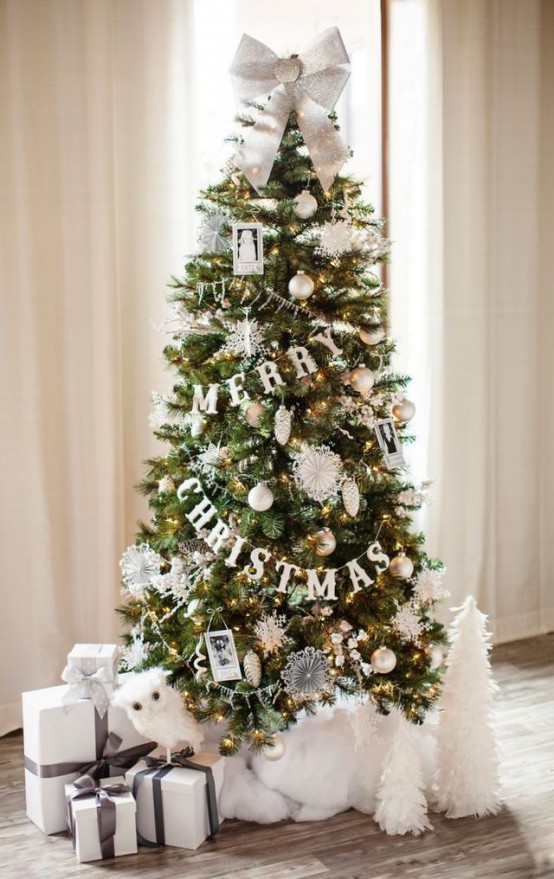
x,y
92,686
310,84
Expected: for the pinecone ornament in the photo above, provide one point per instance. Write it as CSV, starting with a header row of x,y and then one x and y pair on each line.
x,y
283,423
351,497
252,668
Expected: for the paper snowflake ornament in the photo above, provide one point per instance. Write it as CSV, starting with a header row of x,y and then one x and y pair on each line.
x,y
177,582
318,472
209,460
245,339
165,485
365,726
407,622
160,413
429,586
336,238
306,674
270,631
138,565
134,653
212,236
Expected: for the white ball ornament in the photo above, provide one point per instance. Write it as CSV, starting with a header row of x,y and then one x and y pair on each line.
x,y
254,414
436,655
362,379
401,566
325,542
404,410
383,660
276,750
260,497
192,611
301,286
305,205
371,335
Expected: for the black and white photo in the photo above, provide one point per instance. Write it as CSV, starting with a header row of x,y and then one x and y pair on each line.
x,y
389,443
248,249
223,655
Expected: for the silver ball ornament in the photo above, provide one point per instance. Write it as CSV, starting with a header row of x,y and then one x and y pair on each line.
x,y
404,410
325,542
192,611
401,566
276,750
371,335
362,379
383,660
260,497
254,414
301,286
305,205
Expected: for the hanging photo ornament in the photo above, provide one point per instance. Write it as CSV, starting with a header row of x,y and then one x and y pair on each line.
x,y
325,542
404,410
252,668
283,424
401,566
351,497
277,748
254,414
362,379
371,335
260,498
305,205
301,286
383,660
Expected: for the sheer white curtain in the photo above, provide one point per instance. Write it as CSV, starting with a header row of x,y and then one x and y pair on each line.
x,y
472,215
95,213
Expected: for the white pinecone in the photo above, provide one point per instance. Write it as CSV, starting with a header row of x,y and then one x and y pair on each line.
x,y
350,497
283,423
252,668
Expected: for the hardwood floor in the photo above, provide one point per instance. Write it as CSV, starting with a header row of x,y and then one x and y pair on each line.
x,y
516,844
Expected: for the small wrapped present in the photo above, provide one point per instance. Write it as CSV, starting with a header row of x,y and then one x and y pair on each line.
x,y
61,744
91,673
177,801
101,818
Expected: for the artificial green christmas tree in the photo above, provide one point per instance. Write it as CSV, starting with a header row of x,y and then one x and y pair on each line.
x,y
280,545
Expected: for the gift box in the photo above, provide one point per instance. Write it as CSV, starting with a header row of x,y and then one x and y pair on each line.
x,y
101,818
62,742
177,801
91,673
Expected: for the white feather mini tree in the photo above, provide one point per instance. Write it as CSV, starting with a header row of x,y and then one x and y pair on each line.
x,y
401,802
467,756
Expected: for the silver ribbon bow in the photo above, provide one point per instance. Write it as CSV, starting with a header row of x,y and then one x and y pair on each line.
x,y
310,84
88,686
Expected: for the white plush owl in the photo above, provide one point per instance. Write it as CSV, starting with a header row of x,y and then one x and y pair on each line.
x,y
156,709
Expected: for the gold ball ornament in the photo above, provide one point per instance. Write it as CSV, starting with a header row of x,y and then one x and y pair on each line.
x,y
383,660
305,205
401,566
260,498
404,410
301,286
325,542
362,379
371,335
254,414
276,750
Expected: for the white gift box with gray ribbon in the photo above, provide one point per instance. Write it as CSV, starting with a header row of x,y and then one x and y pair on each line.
x,y
87,831
62,742
91,673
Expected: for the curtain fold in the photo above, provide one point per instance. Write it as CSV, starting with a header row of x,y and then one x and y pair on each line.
x,y
95,214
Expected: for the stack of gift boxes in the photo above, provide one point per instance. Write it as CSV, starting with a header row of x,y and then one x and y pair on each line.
x,y
88,770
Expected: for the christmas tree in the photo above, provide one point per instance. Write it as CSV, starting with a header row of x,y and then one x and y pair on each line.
x,y
280,569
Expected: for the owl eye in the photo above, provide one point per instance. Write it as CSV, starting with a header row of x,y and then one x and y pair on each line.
x,y
137,706
155,695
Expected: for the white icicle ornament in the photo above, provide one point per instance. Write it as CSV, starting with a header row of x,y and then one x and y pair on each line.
x,y
252,668
305,205
351,497
283,423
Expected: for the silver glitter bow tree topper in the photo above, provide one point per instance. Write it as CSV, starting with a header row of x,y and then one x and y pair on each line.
x,y
310,84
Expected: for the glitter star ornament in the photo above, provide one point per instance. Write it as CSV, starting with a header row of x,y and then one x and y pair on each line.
x,y
138,565
245,339
165,485
134,653
306,674
429,586
336,238
212,237
407,621
270,631
317,471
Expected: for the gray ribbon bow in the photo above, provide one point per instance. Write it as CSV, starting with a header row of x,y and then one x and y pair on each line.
x,y
92,685
310,84
105,810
